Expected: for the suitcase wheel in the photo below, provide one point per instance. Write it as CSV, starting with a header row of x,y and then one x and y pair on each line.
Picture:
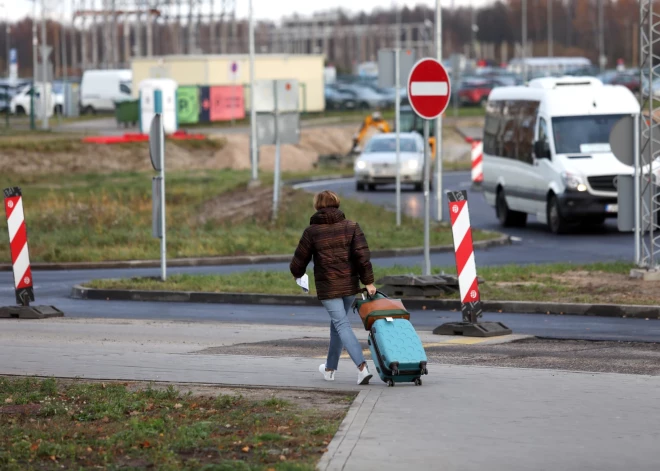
x,y
390,383
418,381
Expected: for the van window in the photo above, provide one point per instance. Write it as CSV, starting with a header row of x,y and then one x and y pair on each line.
x,y
124,88
509,129
543,130
583,134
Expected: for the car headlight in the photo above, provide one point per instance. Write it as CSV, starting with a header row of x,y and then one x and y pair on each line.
x,y
360,165
413,164
574,182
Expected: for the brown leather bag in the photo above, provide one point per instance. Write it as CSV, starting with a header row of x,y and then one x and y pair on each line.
x,y
379,307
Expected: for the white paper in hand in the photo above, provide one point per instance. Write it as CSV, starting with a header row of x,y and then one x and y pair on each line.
x,y
303,282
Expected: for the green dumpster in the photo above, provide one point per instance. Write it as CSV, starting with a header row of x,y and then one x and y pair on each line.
x,y
127,112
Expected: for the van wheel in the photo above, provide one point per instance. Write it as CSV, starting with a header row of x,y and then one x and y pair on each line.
x,y
507,217
20,110
556,222
89,110
359,186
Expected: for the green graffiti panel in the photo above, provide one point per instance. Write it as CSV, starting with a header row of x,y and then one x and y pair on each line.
x,y
187,105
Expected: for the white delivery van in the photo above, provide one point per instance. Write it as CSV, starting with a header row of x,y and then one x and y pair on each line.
x,y
547,152
100,89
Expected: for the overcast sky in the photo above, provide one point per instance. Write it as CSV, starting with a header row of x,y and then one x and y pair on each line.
x,y
263,9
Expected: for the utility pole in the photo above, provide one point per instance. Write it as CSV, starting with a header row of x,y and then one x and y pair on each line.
x,y
550,37
253,108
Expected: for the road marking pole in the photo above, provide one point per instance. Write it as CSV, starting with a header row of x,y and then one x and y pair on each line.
x,y
20,257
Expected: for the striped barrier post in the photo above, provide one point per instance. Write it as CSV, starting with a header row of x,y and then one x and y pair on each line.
x,y
477,162
466,270
20,257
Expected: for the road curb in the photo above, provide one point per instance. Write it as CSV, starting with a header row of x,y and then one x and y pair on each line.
x,y
243,259
514,307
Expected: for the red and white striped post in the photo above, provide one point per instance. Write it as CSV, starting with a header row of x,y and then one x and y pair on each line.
x,y
477,162
466,267
468,282
20,257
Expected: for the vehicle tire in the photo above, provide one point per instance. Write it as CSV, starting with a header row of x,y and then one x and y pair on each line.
x,y
371,187
359,186
419,187
507,217
20,110
58,110
556,222
364,105
89,110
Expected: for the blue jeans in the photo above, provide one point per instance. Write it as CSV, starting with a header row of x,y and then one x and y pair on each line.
x,y
341,332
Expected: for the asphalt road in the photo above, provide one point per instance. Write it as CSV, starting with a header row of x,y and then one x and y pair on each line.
x,y
533,244
53,288
537,245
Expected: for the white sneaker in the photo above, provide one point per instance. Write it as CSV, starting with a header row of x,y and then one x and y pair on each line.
x,y
327,375
364,376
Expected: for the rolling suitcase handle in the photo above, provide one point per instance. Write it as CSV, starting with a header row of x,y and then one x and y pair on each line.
x,y
362,292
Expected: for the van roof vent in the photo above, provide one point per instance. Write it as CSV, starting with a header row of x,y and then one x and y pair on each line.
x,y
555,82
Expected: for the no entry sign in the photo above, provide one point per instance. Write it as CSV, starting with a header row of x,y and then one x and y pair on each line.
x,y
429,88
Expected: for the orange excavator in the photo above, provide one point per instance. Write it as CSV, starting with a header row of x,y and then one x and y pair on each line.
x,y
371,123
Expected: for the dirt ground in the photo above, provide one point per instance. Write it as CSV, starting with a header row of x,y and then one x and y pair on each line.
x,y
324,401
612,287
243,205
234,154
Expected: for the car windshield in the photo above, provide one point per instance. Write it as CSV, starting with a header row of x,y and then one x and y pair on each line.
x,y
583,134
389,145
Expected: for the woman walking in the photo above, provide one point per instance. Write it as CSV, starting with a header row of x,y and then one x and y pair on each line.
x,y
341,260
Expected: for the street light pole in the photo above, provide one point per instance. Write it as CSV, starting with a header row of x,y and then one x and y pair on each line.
x,y
601,38
524,40
44,61
253,109
550,35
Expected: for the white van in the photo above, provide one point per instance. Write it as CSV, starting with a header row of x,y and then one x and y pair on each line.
x,y
100,89
547,152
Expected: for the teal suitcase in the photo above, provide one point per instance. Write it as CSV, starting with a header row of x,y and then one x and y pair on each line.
x,y
397,351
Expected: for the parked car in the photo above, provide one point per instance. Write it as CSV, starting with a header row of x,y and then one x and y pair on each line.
x,y
20,103
376,165
367,97
474,92
339,100
630,80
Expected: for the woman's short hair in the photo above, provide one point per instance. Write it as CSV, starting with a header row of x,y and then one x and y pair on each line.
x,y
326,199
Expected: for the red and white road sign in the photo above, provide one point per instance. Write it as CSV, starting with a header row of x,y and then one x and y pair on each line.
x,y
429,88
477,161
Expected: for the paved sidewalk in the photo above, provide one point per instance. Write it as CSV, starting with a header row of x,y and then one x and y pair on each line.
x,y
462,418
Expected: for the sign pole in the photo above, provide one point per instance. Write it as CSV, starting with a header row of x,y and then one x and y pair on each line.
x,y
397,107
163,245
438,122
253,109
427,206
276,186
637,192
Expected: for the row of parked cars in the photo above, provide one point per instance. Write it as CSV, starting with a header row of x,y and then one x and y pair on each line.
x,y
361,95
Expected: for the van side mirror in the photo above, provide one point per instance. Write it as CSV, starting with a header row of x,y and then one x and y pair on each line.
x,y
542,149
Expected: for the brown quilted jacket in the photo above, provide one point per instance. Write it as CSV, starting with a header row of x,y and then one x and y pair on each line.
x,y
340,253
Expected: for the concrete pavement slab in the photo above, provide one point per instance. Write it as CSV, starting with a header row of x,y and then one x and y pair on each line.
x,y
462,418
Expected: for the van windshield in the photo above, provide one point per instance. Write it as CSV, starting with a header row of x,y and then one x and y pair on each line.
x,y
583,134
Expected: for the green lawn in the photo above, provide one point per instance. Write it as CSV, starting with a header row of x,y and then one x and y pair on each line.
x,y
53,425
86,218
561,282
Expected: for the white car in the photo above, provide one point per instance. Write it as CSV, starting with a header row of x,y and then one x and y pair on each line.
x,y
20,103
376,165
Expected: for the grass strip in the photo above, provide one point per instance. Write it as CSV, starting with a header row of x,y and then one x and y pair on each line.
x,y
108,217
561,282
49,424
